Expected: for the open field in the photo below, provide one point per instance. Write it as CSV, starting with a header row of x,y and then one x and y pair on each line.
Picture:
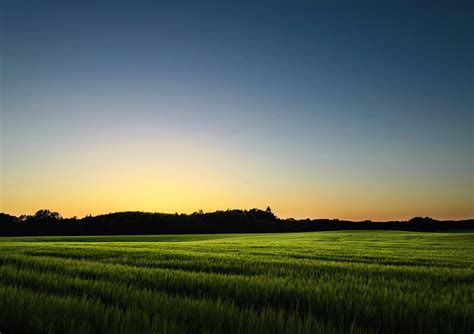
x,y
364,281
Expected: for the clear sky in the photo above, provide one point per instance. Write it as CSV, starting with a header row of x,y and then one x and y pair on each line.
x,y
321,109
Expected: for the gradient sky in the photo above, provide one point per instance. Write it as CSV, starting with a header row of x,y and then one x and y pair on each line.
x,y
337,109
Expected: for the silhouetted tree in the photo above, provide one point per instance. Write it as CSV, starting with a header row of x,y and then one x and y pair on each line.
x,y
421,220
6,218
46,216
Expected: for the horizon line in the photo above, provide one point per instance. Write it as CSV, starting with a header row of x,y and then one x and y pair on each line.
x,y
236,209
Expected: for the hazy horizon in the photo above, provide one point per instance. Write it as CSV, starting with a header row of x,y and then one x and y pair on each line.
x,y
316,109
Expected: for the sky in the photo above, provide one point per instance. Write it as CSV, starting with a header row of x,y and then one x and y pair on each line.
x,y
319,109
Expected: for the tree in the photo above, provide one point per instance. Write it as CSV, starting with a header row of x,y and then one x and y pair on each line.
x,y
421,220
46,216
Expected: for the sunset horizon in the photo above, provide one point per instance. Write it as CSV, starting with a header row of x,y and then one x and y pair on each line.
x,y
317,109
89,213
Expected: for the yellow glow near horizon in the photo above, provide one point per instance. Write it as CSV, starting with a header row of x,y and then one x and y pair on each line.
x,y
185,178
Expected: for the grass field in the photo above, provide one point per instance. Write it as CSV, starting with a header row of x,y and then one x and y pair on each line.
x,y
352,281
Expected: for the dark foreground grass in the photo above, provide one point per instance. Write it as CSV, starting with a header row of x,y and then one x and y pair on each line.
x,y
359,282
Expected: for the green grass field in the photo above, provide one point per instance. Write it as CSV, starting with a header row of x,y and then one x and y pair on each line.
x,y
352,281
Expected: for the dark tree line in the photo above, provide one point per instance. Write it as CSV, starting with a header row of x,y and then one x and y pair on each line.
x,y
46,222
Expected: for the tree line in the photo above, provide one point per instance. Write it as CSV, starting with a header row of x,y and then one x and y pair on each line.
x,y
46,222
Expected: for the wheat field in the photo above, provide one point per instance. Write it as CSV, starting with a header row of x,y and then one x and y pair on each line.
x,y
320,282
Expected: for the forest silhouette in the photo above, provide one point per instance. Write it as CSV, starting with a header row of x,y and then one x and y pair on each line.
x,y
46,222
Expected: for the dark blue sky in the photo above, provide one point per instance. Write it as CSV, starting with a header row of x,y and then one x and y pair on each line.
x,y
348,109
